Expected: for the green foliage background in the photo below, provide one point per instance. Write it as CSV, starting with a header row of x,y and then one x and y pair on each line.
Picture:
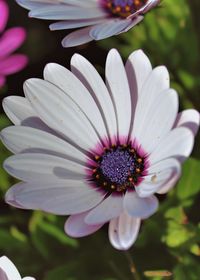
x,y
169,240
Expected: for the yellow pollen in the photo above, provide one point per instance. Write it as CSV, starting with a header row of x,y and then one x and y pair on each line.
x,y
118,9
153,178
97,157
127,9
139,160
97,176
105,184
112,187
137,2
138,170
121,188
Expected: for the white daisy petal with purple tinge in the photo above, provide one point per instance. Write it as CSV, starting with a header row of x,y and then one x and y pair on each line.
x,y
75,226
8,271
123,231
98,152
99,19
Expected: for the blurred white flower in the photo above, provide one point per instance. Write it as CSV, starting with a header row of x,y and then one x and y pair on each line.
x,y
8,271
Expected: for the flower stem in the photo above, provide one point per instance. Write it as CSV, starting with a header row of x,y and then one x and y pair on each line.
x,y
117,271
132,266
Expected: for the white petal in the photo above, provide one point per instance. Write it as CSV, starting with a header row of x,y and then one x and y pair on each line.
x,y
145,8
108,209
88,75
157,81
18,109
161,175
140,207
81,3
178,143
134,22
77,38
72,87
188,118
138,68
70,197
20,139
9,268
76,227
42,3
27,4
123,231
159,119
63,12
43,168
69,24
20,112
109,28
60,113
169,184
119,89
149,5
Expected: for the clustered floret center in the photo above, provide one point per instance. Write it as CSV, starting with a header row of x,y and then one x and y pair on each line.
x,y
118,169
123,8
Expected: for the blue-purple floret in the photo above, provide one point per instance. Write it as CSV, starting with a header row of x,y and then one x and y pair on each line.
x,y
117,165
122,3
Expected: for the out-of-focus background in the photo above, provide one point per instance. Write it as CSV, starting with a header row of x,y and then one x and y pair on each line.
x,y
170,239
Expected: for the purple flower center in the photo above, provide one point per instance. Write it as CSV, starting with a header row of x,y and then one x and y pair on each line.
x,y
117,164
123,8
119,168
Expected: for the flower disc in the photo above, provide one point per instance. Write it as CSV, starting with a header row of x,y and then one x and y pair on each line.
x,y
123,8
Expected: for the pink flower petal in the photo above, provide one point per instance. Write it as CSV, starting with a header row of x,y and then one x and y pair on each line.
x,y
11,40
13,64
2,81
76,227
4,12
3,275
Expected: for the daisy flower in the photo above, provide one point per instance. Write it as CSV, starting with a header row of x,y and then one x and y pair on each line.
x,y
98,19
8,271
97,152
10,40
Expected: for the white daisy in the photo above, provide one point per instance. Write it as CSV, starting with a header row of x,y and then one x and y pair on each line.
x,y
99,19
8,271
97,152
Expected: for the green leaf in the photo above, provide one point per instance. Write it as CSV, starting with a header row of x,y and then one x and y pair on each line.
x,y
189,184
158,273
177,234
64,272
59,234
